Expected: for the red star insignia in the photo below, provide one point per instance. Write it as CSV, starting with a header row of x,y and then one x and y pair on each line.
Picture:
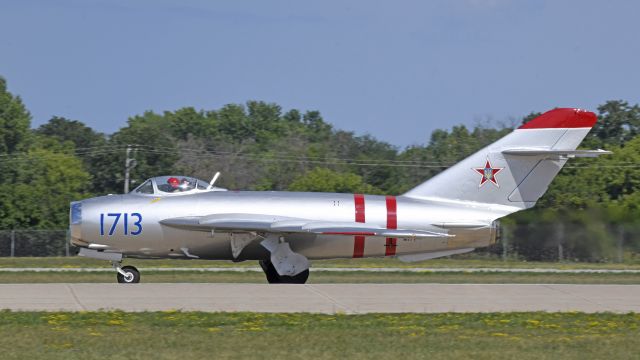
x,y
488,173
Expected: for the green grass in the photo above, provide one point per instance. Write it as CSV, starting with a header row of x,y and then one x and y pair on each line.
x,y
317,277
196,335
467,261
324,277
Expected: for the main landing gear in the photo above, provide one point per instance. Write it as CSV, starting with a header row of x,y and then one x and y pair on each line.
x,y
274,278
126,274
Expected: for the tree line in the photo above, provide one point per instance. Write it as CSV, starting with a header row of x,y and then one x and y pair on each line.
x,y
260,146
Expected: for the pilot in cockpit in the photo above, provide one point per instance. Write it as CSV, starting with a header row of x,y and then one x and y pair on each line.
x,y
186,185
174,184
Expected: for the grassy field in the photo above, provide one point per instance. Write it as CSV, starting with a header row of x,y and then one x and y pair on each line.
x,y
325,277
474,261
194,335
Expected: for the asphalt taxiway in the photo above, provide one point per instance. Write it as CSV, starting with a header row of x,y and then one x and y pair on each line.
x,y
322,298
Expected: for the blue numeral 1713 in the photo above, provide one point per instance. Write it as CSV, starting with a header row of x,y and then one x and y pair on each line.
x,y
133,227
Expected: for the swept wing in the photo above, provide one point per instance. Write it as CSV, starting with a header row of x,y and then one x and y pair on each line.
x,y
280,224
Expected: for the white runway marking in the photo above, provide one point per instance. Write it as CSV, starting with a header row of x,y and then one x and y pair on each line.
x,y
336,269
322,298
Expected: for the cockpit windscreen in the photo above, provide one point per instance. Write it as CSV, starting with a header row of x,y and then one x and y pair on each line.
x,y
173,184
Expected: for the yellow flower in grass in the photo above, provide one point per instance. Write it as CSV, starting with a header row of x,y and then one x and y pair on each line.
x,y
57,319
253,328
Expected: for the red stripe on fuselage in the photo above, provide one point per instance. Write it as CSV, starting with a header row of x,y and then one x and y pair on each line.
x,y
392,223
359,201
358,241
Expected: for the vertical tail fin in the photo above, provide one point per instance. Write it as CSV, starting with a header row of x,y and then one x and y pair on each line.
x,y
517,169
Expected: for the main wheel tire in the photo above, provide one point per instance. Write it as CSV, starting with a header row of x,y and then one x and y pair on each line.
x,y
270,272
132,275
296,279
273,277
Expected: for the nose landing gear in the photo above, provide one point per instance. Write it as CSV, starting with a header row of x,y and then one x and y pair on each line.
x,y
127,274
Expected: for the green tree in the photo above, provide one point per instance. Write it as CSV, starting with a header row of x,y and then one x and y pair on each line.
x,y
187,122
618,122
325,180
74,131
38,188
234,123
14,121
154,149
90,146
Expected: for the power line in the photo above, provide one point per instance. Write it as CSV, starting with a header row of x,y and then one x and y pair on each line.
x,y
186,153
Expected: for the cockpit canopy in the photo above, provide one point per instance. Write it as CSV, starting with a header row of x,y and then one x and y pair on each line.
x,y
173,185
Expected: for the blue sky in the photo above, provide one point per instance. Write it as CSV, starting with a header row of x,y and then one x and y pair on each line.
x,y
394,69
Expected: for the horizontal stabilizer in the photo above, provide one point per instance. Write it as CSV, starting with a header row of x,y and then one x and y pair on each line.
x,y
279,224
553,152
512,173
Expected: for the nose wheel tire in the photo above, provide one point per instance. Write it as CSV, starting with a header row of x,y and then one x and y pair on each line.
x,y
131,275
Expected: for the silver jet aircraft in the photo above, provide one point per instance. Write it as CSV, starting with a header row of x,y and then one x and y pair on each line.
x,y
454,212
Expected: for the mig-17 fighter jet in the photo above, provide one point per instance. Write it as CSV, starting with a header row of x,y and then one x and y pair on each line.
x,y
179,217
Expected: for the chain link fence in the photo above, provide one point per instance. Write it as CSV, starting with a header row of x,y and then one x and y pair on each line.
x,y
568,241
552,241
18,243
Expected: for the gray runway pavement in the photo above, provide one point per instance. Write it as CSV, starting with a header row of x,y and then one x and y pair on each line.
x,y
322,298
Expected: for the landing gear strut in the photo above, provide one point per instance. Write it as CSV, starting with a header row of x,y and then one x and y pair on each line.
x,y
274,278
127,274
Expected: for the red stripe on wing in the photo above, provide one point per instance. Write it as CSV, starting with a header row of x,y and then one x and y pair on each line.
x,y
358,241
358,233
392,223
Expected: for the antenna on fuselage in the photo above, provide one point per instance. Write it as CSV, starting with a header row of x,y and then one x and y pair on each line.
x,y
213,181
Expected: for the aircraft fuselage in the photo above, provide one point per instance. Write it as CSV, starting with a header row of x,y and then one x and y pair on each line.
x,y
138,231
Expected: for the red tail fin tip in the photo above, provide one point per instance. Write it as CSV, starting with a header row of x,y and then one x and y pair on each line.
x,y
562,118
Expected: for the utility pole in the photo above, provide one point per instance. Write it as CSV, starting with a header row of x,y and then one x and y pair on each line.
x,y
129,164
620,243
505,242
560,238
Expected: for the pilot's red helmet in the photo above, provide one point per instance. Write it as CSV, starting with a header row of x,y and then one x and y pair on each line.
x,y
174,182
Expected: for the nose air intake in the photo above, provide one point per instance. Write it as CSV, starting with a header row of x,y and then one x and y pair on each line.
x,y
75,220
